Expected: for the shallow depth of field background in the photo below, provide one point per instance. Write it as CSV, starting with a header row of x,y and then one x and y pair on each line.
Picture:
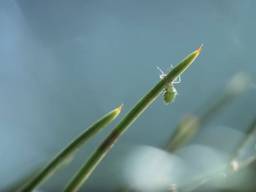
x,y
63,64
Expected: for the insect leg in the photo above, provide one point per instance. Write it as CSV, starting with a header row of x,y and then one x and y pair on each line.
x,y
162,75
177,80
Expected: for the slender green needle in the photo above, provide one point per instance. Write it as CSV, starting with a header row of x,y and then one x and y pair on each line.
x,y
86,170
15,186
69,151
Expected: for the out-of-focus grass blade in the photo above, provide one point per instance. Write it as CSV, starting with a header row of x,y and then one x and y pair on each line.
x,y
69,151
87,169
236,164
190,125
186,129
241,153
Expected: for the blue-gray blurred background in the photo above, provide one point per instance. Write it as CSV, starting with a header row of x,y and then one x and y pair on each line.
x,y
63,64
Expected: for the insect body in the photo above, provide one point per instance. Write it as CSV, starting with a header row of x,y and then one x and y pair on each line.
x,y
169,92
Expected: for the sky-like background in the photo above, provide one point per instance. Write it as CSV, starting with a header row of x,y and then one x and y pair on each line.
x,y
63,64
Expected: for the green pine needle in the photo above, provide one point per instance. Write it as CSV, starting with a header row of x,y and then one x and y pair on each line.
x,y
86,170
64,156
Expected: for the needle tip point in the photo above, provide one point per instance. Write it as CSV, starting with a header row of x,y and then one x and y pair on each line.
x,y
200,48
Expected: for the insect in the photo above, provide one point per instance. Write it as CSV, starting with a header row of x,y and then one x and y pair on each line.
x,y
169,92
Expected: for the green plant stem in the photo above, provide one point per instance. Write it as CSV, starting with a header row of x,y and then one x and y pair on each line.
x,y
86,170
15,186
69,151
